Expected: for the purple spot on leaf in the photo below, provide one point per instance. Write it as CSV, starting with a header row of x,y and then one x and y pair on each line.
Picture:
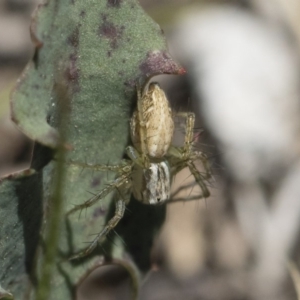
x,y
73,39
72,73
96,182
111,32
160,62
98,212
114,3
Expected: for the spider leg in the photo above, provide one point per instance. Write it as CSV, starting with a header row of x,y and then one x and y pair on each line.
x,y
194,155
199,179
189,134
112,223
196,197
99,167
185,152
181,157
122,180
135,156
181,189
203,158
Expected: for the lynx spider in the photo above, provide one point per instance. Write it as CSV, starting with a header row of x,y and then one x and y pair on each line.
x,y
153,161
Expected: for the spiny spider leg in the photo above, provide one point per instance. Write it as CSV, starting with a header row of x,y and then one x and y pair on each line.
x,y
187,186
134,155
183,199
189,134
190,198
97,167
203,158
187,156
122,180
189,139
199,179
112,223
185,152
197,197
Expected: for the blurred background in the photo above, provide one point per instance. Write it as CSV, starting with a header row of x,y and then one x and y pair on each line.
x,y
15,50
243,83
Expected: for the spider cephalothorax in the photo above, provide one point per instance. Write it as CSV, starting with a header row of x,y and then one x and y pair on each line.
x,y
153,160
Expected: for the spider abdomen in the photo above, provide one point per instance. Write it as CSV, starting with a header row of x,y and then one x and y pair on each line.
x,y
152,185
154,121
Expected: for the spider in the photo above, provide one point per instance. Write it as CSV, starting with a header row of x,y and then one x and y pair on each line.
x,y
152,163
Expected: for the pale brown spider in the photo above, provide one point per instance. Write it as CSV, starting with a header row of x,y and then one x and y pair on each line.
x,y
153,161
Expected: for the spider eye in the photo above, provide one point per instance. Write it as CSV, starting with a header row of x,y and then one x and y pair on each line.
x,y
158,199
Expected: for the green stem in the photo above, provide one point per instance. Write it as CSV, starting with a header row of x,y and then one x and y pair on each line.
x,y
56,200
53,226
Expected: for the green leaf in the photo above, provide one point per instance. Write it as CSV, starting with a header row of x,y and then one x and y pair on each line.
x,y
80,88
20,216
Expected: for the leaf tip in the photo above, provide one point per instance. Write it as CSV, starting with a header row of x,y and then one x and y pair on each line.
x,y
160,62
